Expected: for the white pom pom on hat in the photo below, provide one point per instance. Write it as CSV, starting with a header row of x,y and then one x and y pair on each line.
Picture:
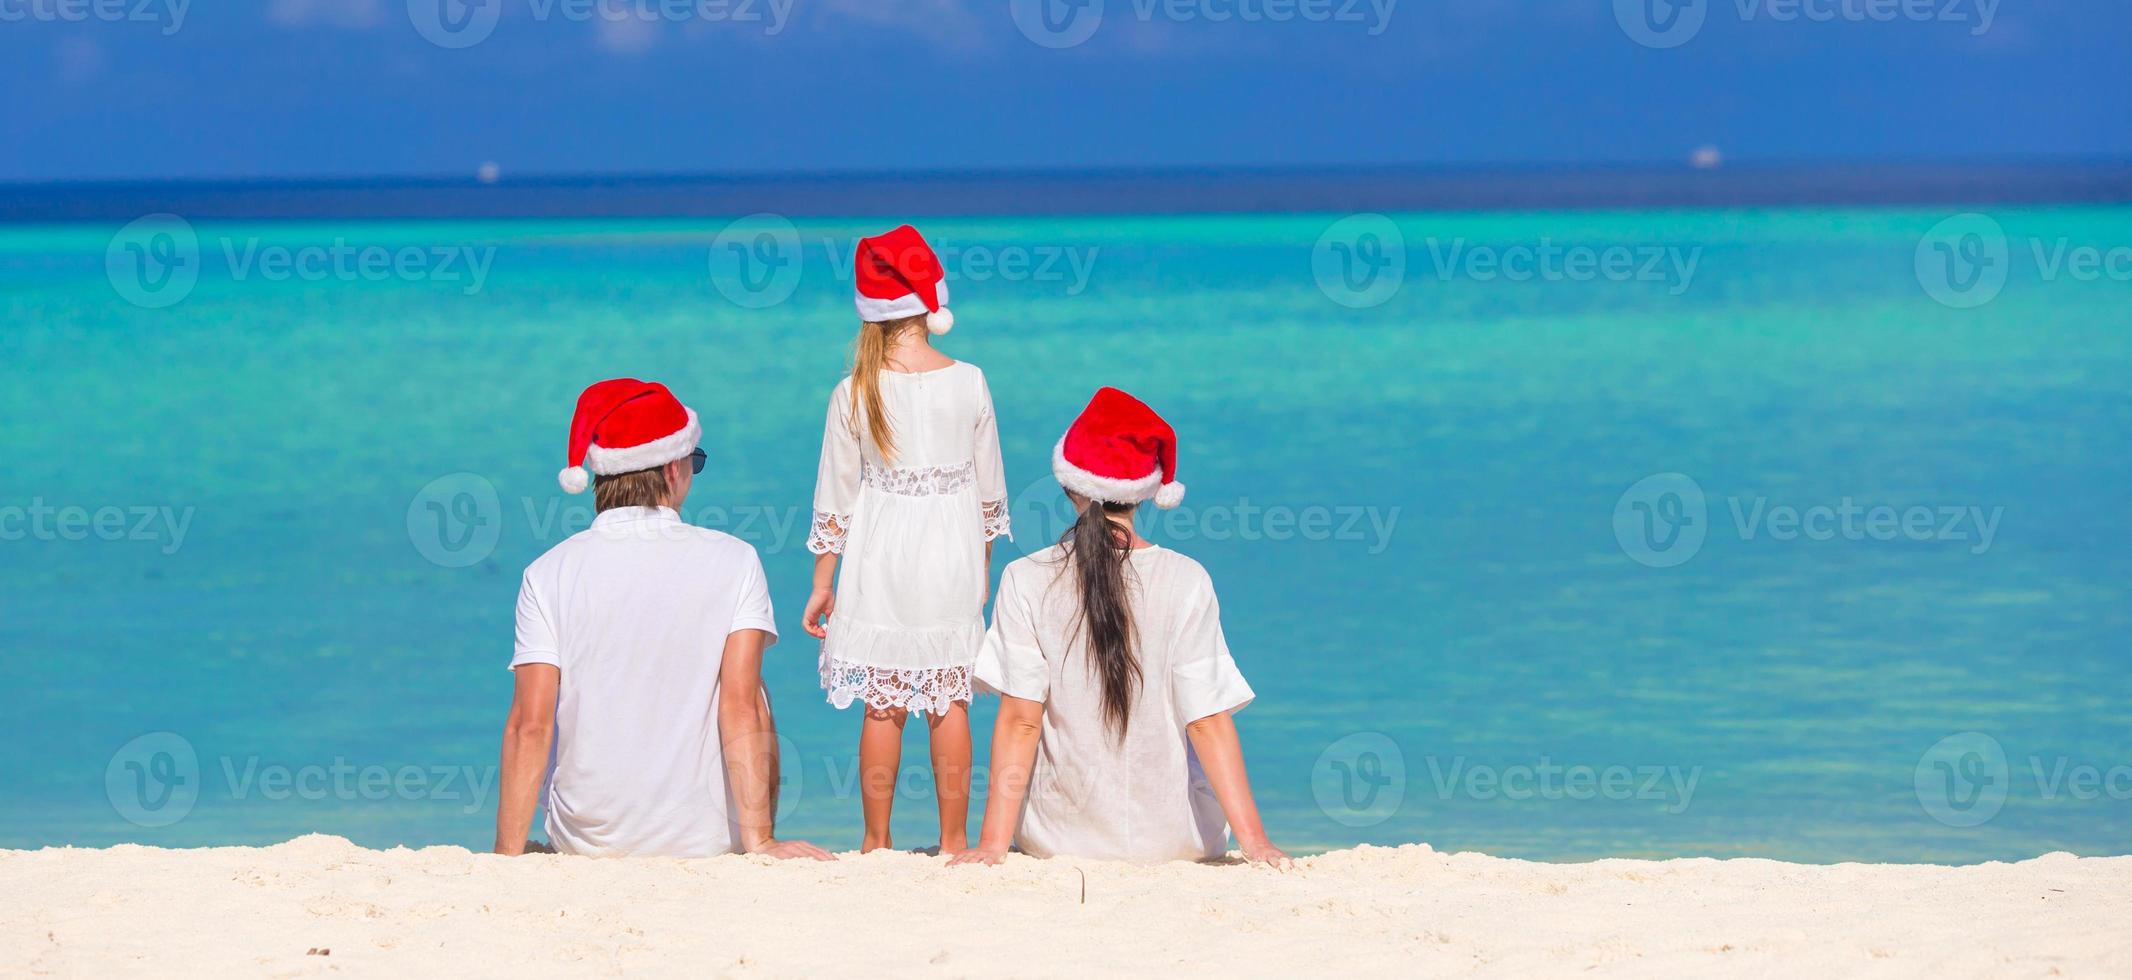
x,y
939,322
574,479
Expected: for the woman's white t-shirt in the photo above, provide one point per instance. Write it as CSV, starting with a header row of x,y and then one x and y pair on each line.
x,y
1142,797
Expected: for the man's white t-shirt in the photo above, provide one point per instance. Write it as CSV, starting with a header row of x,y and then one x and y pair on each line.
x,y
635,611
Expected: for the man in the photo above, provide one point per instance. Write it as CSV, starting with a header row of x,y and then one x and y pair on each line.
x,y
639,658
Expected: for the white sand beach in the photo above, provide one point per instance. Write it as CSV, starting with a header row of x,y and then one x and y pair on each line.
x,y
1407,911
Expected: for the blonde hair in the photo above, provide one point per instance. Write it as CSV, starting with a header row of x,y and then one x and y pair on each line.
x,y
869,357
638,488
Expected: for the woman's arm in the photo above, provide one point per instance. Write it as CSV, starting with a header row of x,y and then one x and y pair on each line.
x,y
1014,740
1222,756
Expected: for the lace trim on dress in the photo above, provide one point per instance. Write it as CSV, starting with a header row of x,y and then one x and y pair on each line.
x,y
828,533
931,691
998,523
924,481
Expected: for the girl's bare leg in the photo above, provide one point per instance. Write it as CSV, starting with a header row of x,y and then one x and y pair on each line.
x,y
880,752
951,775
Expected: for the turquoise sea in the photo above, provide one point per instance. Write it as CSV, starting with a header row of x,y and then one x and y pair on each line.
x,y
1791,533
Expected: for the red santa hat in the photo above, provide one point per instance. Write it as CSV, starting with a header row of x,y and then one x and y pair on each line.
x,y
898,276
625,425
1120,452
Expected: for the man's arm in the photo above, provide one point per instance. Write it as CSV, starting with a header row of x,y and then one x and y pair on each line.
x,y
528,733
750,740
1014,739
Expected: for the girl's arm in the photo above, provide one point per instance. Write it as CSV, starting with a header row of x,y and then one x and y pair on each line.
x,y
1222,756
1014,740
836,494
823,599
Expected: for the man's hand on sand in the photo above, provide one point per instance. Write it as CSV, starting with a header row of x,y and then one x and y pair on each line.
x,y
981,854
786,850
1263,852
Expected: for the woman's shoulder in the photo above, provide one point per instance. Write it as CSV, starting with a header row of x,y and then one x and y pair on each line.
x,y
1183,572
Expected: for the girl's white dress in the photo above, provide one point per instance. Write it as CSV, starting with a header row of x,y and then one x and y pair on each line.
x,y
909,612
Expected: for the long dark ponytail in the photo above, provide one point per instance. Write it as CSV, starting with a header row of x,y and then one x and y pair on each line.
x,y
1098,549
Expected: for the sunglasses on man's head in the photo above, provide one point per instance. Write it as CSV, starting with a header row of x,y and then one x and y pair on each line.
x,y
697,459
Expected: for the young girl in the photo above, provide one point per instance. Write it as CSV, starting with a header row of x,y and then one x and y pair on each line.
x,y
1114,737
910,494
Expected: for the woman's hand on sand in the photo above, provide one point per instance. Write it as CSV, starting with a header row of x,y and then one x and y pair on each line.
x,y
820,603
786,850
981,854
1263,852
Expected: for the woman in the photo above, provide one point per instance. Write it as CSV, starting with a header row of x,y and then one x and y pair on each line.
x,y
1116,684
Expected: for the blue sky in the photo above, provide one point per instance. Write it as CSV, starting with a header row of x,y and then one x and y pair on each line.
x,y
103,89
